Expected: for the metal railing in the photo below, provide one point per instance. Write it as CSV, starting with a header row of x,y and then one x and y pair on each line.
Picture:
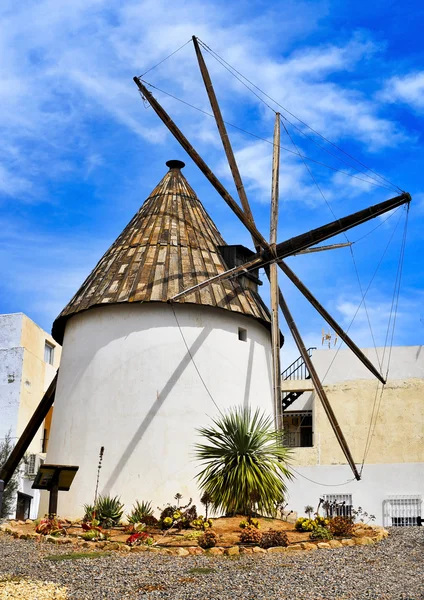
x,y
298,369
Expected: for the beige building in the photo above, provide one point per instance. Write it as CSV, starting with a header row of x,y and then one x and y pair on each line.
x,y
383,428
29,359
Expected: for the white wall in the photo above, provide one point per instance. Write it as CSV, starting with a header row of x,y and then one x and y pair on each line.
x,y
378,481
11,360
406,362
127,383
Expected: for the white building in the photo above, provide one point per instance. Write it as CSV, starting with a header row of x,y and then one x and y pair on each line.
x,y
138,375
390,425
29,358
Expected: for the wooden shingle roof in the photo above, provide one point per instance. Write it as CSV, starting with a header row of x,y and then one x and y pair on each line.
x,y
168,246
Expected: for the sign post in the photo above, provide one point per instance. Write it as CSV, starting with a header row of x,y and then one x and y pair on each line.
x,y
55,479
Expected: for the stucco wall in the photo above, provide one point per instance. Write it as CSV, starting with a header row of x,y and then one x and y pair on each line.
x,y
377,483
127,382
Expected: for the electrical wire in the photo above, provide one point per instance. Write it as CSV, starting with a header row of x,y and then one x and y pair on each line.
x,y
258,137
224,63
320,483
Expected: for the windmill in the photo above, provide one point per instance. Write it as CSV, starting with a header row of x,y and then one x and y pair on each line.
x,y
270,255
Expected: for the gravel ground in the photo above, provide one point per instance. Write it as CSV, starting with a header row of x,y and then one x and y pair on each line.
x,y
390,570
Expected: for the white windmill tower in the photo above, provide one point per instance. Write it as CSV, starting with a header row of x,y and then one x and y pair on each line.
x,y
138,375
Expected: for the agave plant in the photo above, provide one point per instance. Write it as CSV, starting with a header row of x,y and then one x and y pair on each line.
x,y
109,510
139,511
244,462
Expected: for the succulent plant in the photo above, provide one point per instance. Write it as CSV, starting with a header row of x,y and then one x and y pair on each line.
x,y
273,538
208,539
140,511
109,510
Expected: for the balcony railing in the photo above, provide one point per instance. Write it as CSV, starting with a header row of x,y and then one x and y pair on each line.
x,y
298,369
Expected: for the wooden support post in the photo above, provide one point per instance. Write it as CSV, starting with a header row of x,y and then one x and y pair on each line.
x,y
273,278
29,432
54,492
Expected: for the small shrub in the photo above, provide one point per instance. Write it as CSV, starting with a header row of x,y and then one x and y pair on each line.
x,y
305,524
140,511
207,539
320,533
341,526
181,516
50,525
249,523
273,538
201,523
137,539
109,510
192,535
94,535
250,535
89,512
149,521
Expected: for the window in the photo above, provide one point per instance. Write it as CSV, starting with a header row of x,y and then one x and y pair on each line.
x,y
242,334
298,429
338,505
401,511
48,353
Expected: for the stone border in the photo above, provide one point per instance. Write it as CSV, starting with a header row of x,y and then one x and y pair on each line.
x,y
364,540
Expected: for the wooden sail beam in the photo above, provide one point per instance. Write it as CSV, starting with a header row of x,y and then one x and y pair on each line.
x,y
180,137
292,245
224,136
318,386
29,433
323,248
321,310
273,277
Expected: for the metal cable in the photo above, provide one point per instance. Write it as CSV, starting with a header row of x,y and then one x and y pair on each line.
x,y
265,140
228,67
163,60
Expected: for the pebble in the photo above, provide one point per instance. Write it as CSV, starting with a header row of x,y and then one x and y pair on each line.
x,y
389,570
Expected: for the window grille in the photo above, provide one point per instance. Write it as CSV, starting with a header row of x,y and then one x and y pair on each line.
x,y
338,505
30,466
402,511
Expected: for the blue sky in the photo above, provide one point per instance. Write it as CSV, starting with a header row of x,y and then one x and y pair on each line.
x,y
80,152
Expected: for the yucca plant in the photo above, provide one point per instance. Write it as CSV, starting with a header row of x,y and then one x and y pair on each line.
x,y
109,510
139,511
244,462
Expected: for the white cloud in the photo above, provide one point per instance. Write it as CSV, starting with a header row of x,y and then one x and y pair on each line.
x,y
408,89
68,64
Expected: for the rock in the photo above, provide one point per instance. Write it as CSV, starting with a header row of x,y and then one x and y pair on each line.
x,y
123,548
360,532
335,544
112,546
180,552
195,550
308,546
323,545
139,549
363,541
244,550
294,548
21,522
12,523
232,551
215,551
276,549
348,542
25,536
51,539
257,550
29,521
63,540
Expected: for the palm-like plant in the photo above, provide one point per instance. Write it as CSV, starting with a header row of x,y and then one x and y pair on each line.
x,y
245,463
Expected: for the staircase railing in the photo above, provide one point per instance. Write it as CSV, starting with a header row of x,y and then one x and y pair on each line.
x,y
298,369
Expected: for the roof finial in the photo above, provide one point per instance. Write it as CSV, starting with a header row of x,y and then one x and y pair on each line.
x,y
175,164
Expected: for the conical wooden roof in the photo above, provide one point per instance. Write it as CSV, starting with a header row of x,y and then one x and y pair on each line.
x,y
168,246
